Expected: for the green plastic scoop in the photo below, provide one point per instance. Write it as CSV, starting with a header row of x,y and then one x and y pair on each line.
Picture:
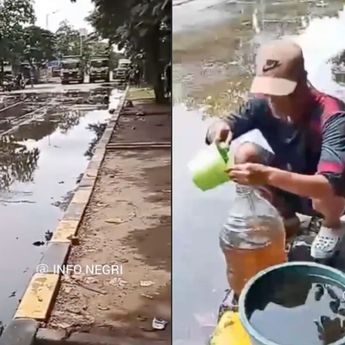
x,y
209,165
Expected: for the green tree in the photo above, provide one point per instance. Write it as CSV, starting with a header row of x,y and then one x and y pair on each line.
x,y
39,44
143,28
97,47
14,15
67,40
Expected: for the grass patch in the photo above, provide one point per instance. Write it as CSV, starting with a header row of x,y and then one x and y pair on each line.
x,y
140,93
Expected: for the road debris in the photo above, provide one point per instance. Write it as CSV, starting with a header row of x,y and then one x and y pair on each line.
x,y
48,235
115,221
146,283
159,324
38,243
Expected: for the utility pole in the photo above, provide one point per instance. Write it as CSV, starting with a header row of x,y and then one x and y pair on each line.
x,y
82,32
47,18
81,45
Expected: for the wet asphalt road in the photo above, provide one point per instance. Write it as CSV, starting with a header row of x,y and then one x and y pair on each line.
x,y
213,59
41,162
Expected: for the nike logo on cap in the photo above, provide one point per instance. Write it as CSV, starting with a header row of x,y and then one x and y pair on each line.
x,y
270,64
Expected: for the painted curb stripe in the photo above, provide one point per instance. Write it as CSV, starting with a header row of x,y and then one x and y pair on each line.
x,y
82,195
37,300
65,230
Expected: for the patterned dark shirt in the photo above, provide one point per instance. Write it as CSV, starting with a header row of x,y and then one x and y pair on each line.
x,y
315,146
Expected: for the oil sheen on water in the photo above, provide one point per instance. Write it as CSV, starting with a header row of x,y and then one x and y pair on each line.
x,y
308,311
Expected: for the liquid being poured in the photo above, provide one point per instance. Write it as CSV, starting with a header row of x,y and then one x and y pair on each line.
x,y
299,311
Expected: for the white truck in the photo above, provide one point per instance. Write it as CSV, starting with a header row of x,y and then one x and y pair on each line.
x,y
72,70
99,69
121,72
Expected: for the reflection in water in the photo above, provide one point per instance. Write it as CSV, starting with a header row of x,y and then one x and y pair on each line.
x,y
42,162
35,130
68,120
339,76
65,200
98,128
17,162
218,62
47,123
338,68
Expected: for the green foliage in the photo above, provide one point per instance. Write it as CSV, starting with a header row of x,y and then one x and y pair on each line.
x,y
132,23
67,40
39,44
14,14
143,28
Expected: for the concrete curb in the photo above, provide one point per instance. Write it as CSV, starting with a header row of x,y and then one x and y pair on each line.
x,y
20,332
53,337
39,297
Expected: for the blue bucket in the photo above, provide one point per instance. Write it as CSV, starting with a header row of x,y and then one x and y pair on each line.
x,y
301,268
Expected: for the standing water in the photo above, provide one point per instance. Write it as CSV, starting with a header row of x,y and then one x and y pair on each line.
x,y
40,165
313,307
213,65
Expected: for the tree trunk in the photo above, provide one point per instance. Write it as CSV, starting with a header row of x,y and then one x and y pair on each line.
x,y
159,91
156,68
1,71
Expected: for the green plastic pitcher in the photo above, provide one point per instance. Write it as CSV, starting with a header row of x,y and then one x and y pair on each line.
x,y
209,165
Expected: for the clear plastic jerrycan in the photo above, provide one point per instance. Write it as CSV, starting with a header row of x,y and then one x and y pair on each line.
x,y
253,237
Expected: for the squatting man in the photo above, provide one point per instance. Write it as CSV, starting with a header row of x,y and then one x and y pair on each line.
x,y
305,128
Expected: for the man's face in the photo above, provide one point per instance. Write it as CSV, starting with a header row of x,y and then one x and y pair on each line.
x,y
283,107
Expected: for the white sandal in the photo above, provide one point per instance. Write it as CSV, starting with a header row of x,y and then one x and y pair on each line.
x,y
326,242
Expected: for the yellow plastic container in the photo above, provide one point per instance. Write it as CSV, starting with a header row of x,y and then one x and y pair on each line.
x,y
229,331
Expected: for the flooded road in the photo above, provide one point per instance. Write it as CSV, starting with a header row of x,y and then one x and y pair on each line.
x,y
41,162
213,64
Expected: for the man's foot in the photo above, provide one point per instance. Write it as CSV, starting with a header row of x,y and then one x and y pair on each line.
x,y
326,242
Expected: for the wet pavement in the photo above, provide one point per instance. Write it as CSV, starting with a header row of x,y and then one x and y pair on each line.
x,y
41,161
212,71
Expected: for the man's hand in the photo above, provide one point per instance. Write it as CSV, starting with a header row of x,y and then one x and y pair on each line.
x,y
219,132
249,174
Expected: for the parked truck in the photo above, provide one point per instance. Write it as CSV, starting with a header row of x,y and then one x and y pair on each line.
x,y
72,69
99,69
122,70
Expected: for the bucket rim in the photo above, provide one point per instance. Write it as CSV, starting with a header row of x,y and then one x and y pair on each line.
x,y
242,299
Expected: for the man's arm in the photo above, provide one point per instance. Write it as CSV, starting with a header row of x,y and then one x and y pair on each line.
x,y
311,186
332,158
245,119
330,177
238,123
